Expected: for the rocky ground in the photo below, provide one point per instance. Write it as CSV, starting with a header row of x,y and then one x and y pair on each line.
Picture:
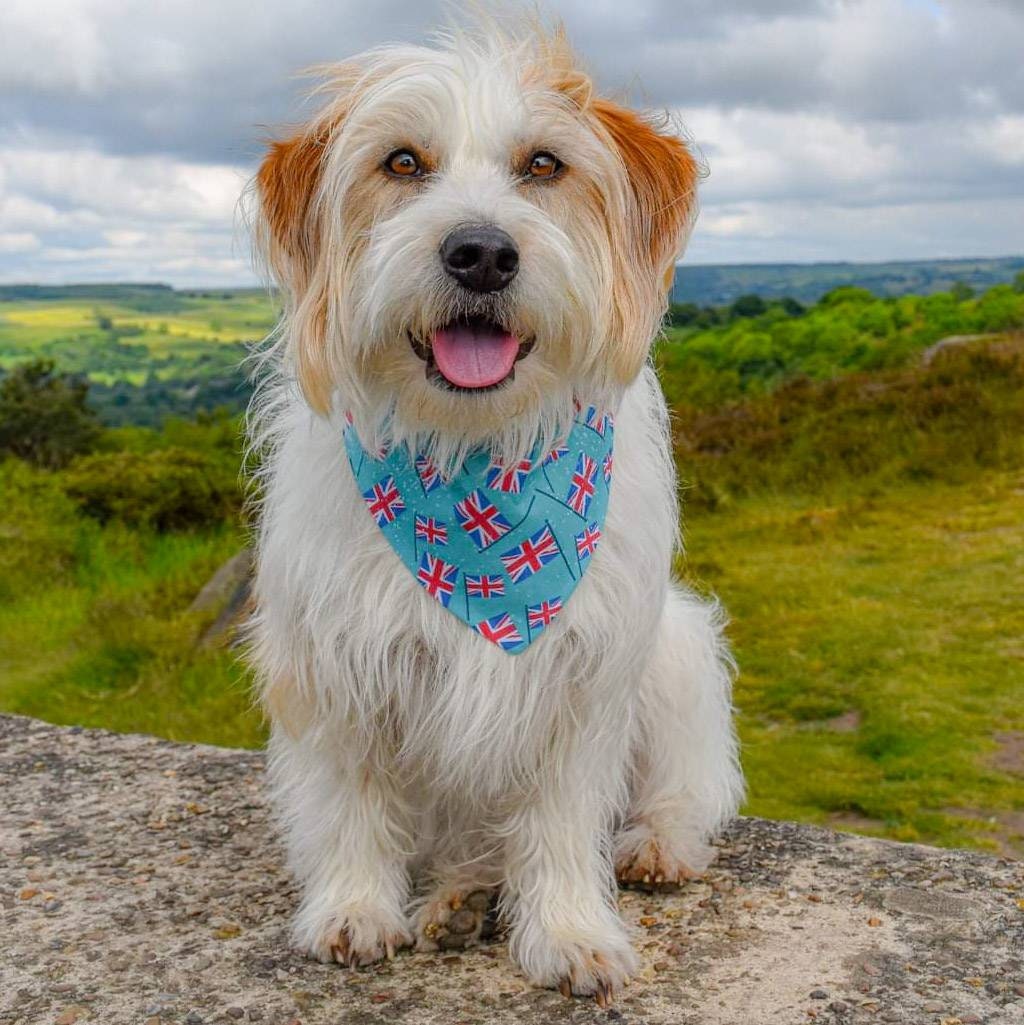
x,y
140,883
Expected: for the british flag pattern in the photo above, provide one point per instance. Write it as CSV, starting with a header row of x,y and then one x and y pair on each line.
x,y
586,542
508,479
500,630
485,585
433,531
543,613
384,501
437,578
531,555
581,485
481,519
502,546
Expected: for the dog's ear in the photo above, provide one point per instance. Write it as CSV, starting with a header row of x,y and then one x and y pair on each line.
x,y
287,183
662,179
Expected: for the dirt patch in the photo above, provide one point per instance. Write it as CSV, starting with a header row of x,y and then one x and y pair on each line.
x,y
848,722
1006,827
1009,754
854,822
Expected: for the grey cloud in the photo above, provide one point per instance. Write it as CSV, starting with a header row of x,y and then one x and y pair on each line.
x,y
833,128
200,79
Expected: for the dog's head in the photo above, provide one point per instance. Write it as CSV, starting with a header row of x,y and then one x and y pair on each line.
x,y
467,238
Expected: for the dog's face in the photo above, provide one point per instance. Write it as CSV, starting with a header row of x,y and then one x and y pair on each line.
x,y
468,239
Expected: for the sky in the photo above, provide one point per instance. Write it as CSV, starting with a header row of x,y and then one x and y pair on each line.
x,y
832,129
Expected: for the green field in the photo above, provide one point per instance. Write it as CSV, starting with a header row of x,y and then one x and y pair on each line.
x,y
860,514
148,353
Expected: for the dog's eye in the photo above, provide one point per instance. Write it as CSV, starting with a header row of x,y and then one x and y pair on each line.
x,y
543,165
403,164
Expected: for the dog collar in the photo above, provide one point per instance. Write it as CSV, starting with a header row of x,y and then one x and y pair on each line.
x,y
503,548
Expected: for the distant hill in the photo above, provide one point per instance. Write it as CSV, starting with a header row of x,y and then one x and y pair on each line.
x,y
152,297
720,284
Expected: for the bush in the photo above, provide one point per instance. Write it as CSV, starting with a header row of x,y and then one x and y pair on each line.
x,y
39,530
166,489
43,415
961,414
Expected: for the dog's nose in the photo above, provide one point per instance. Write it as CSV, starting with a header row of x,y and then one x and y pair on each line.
x,y
480,256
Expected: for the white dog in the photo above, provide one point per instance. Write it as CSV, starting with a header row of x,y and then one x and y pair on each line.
x,y
472,246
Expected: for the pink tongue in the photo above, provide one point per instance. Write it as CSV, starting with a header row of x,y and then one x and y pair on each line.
x,y
474,356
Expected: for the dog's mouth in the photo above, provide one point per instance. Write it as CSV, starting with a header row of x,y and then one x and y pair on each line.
x,y
471,354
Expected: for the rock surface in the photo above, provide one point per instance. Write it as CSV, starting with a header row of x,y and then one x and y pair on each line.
x,y
140,883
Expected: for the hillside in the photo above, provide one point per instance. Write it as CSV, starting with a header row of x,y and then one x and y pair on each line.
x,y
720,284
150,352
858,511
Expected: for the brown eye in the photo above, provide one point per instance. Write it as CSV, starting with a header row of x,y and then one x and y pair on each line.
x,y
543,165
403,164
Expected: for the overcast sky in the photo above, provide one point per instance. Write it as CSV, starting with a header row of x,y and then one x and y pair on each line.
x,y
833,129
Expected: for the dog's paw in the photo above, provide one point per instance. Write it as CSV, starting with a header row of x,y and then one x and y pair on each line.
x,y
652,864
585,962
451,920
354,937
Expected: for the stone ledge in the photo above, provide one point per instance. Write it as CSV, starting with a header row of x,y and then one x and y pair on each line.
x,y
140,882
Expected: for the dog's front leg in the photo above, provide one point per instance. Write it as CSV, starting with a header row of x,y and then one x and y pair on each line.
x,y
348,836
560,890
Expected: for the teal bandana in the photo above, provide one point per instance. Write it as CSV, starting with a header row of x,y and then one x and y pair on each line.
x,y
500,547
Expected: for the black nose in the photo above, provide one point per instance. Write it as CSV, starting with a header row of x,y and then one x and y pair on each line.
x,y
480,256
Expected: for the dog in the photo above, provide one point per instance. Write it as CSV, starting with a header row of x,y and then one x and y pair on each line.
x,y
473,250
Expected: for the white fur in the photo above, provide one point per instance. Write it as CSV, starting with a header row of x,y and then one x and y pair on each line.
x,y
409,756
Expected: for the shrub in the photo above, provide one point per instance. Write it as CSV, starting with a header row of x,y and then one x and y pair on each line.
x,y
961,414
43,415
166,489
39,529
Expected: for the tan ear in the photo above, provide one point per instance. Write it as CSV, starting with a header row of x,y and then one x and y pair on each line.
x,y
662,176
661,179
287,183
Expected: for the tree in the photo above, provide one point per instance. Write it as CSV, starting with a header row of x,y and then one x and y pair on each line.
x,y
683,314
1018,281
748,306
44,418
961,291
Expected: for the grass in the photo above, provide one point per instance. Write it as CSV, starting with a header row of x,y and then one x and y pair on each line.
x,y
878,639
865,533
880,654
109,642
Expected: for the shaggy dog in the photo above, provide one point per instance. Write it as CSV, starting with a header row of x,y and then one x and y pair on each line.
x,y
472,246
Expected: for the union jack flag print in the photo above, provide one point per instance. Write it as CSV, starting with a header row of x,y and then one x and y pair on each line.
x,y
558,452
384,501
598,421
498,543
437,577
542,615
434,532
508,480
481,520
581,488
485,585
532,555
586,541
428,473
500,630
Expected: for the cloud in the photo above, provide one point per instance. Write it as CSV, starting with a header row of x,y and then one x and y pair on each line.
x,y
126,129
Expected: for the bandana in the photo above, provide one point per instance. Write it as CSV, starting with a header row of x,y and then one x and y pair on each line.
x,y
501,547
